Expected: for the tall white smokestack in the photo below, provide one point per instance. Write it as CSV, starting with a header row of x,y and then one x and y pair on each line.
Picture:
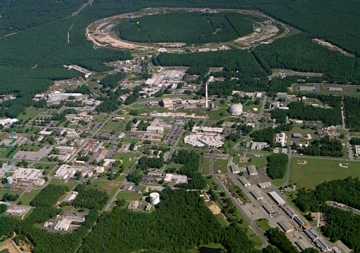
x,y
206,96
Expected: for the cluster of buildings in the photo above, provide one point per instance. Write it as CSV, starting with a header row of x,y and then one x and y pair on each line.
x,y
75,118
21,176
91,146
67,171
166,77
205,137
175,179
64,153
177,103
179,115
66,221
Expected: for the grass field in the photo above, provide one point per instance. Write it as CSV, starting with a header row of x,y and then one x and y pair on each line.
x,y
32,148
220,165
129,196
111,126
70,184
30,113
10,191
173,165
263,224
205,162
316,171
109,187
259,162
127,158
28,197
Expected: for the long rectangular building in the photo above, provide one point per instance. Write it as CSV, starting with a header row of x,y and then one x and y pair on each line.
x,y
277,198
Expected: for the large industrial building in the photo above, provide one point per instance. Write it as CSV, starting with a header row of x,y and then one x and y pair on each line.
x,y
277,198
205,137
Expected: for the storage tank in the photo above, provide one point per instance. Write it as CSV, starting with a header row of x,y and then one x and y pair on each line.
x,y
154,198
9,180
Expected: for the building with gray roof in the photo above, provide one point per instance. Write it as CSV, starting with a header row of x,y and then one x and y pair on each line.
x,y
252,170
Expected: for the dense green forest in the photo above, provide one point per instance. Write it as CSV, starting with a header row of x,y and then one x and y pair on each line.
x,y
340,224
42,240
352,114
323,147
167,229
190,168
276,165
298,110
194,28
299,53
112,81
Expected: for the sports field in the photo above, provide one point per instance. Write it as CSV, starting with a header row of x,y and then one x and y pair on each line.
x,y
309,172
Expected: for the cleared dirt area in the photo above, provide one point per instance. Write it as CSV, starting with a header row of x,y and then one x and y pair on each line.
x,y
8,245
332,47
100,32
215,209
302,162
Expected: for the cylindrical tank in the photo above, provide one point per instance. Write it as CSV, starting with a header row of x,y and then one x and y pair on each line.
x,y
9,180
154,198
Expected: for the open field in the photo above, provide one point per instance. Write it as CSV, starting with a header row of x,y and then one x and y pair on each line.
x,y
129,196
220,165
28,197
111,126
109,187
29,113
205,162
173,165
316,171
127,159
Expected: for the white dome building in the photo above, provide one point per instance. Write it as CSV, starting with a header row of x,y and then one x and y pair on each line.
x,y
236,109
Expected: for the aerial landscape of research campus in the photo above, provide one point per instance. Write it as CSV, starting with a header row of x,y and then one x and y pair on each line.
x,y
179,126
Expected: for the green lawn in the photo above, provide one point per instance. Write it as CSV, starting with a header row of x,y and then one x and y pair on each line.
x,y
259,162
316,171
70,184
220,165
44,165
205,166
173,165
30,148
127,159
111,126
30,113
264,224
109,187
28,197
129,196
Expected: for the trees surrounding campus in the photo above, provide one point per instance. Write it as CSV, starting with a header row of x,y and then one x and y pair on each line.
x,y
352,114
177,211
111,81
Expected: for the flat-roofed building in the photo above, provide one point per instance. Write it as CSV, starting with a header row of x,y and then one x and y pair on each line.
x,y
301,245
286,226
252,170
306,88
257,195
264,185
277,198
269,209
234,168
244,181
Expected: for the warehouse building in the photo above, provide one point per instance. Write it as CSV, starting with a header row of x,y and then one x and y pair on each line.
x,y
252,170
234,168
269,209
301,245
277,198
306,88
257,195
244,181
286,226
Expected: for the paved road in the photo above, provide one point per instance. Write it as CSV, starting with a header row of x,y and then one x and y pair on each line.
x,y
261,113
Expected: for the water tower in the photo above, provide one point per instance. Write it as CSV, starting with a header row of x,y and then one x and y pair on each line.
x,y
154,198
